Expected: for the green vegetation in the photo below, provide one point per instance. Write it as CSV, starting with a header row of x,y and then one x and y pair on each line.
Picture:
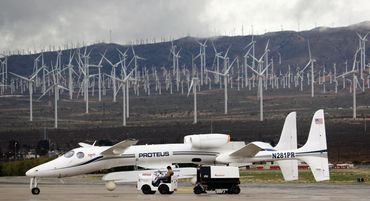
x,y
336,176
19,168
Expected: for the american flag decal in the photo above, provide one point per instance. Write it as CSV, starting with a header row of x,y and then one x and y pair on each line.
x,y
319,121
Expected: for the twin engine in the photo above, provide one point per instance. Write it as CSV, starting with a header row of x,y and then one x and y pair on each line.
x,y
205,141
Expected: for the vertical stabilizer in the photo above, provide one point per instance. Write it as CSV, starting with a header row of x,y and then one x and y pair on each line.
x,y
288,141
314,152
288,138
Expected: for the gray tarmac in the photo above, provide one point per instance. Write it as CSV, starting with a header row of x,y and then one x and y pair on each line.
x,y
91,189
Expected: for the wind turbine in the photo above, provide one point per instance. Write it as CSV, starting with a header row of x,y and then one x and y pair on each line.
x,y
260,74
99,66
123,71
30,81
354,71
113,75
56,86
193,84
4,72
202,54
225,74
362,44
175,64
124,82
218,56
84,69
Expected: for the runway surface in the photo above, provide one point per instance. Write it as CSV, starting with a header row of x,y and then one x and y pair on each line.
x,y
87,189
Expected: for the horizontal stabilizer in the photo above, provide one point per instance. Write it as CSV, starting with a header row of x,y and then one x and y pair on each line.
x,y
289,169
251,149
319,166
118,148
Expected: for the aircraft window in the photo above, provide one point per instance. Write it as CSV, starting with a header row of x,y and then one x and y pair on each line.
x,y
69,154
80,155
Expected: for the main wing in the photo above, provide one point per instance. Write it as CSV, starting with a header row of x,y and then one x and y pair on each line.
x,y
251,149
118,148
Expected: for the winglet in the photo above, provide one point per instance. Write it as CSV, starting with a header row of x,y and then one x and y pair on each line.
x,y
119,148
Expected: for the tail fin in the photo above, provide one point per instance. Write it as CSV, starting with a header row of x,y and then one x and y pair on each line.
x,y
314,152
288,141
288,138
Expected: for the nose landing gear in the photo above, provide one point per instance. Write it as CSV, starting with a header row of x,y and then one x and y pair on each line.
x,y
33,186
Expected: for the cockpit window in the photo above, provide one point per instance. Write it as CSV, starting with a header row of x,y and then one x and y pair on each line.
x,y
69,154
80,155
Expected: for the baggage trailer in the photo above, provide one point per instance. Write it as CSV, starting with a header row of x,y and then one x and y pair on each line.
x,y
212,178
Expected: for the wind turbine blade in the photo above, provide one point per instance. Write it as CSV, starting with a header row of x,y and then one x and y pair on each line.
x,y
254,58
247,52
107,60
93,75
35,73
128,76
191,85
62,87
264,70
214,72
115,78
205,42
228,69
308,64
309,49
133,51
359,35
46,91
259,61
355,59
119,87
245,47
214,48
252,69
102,58
267,45
24,78
120,52
227,51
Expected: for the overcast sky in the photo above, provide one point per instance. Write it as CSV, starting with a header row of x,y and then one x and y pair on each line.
x,y
36,24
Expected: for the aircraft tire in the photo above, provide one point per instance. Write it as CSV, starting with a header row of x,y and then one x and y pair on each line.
x,y
163,189
35,191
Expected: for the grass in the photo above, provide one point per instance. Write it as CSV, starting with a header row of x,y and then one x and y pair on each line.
x,y
336,176
19,168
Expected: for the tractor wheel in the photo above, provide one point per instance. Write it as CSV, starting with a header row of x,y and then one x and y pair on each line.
x,y
163,189
147,190
198,189
234,190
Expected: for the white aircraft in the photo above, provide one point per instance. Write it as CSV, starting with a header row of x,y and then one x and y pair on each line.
x,y
198,149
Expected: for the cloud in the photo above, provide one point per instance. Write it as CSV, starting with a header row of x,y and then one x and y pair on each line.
x,y
36,24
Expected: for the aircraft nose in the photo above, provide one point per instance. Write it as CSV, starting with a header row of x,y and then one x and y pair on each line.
x,y
31,172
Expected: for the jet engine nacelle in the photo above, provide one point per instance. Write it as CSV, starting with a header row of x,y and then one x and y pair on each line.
x,y
206,141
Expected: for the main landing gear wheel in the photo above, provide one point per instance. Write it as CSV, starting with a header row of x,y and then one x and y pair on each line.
x,y
35,191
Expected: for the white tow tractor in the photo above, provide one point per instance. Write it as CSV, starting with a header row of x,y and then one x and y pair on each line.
x,y
145,183
212,178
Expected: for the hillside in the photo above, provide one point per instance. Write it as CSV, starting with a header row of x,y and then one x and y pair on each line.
x,y
328,46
